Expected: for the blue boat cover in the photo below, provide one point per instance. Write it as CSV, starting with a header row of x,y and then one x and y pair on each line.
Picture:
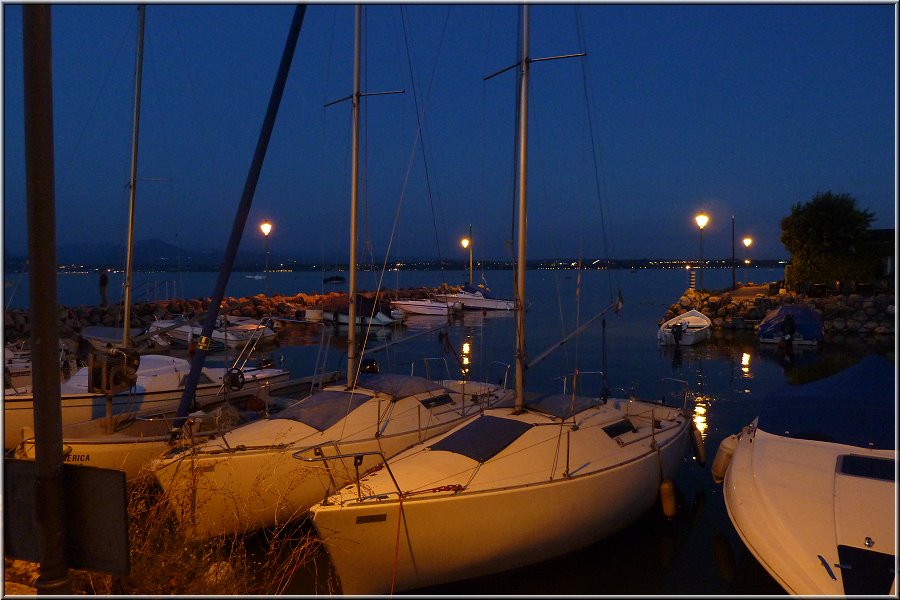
x,y
483,438
807,322
323,409
398,386
560,405
856,407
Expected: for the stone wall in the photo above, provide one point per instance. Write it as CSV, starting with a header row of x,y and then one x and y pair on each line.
x,y
851,314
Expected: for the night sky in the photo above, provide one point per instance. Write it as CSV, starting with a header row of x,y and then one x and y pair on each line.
x,y
738,110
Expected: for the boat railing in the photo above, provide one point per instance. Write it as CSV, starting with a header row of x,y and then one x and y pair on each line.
x,y
357,457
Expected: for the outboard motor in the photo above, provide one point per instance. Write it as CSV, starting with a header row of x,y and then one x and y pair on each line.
x,y
678,331
369,365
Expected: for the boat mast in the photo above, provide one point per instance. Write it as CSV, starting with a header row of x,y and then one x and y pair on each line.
x,y
354,193
522,223
132,184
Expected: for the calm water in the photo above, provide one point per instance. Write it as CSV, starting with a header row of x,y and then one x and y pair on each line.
x,y
696,553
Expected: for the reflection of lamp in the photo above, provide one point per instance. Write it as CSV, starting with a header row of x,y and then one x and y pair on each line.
x,y
747,242
266,229
466,357
702,219
467,243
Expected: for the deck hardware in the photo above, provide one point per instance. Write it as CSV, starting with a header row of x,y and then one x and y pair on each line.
x,y
827,568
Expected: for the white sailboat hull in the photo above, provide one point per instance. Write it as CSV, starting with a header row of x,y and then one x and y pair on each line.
x,y
459,519
159,388
214,491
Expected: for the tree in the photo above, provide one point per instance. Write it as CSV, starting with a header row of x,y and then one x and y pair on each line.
x,y
824,237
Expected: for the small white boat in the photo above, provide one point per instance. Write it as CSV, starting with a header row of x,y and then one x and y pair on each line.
x,y
229,332
476,298
425,306
247,478
686,329
810,485
160,381
103,338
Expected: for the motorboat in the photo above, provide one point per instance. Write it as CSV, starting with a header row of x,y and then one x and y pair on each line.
x,y
476,298
103,338
247,478
792,323
426,306
368,313
810,484
159,387
229,332
686,329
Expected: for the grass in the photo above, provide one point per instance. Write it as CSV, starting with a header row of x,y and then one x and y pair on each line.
x,y
163,561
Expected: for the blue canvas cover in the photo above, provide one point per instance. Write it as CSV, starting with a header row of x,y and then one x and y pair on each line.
x,y
560,405
854,407
483,438
399,386
808,322
323,409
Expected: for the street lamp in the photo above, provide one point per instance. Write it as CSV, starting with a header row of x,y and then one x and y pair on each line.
x,y
266,229
702,219
467,243
747,242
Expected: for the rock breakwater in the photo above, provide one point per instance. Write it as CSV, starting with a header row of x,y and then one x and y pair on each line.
x,y
17,322
843,315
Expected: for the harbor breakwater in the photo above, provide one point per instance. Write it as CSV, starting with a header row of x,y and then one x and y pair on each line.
x,y
17,322
843,315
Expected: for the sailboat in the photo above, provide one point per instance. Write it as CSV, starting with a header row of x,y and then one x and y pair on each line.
x,y
249,477
159,381
514,486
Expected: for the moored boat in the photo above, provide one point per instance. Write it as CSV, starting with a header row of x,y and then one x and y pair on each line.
x,y
791,323
810,484
686,329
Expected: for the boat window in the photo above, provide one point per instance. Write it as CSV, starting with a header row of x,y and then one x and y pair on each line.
x,y
483,438
619,428
441,400
323,409
866,572
866,466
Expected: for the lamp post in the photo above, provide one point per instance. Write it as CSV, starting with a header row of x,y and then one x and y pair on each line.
x,y
266,229
467,243
747,242
702,219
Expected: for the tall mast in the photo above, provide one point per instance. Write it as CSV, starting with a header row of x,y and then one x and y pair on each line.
x,y
522,222
132,184
354,192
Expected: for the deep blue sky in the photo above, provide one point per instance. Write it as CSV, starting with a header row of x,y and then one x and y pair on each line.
x,y
741,110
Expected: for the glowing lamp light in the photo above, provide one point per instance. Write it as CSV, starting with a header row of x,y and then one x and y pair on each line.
x,y
702,219
748,242
266,228
465,242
